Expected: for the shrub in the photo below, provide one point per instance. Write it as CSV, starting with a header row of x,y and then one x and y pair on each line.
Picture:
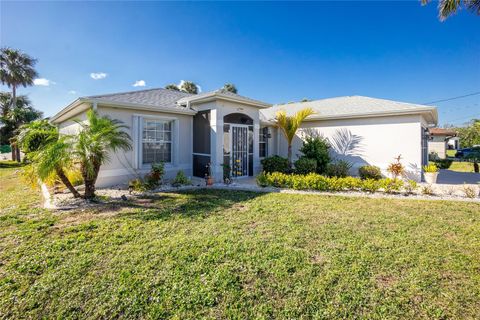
x,y
4,148
275,164
370,172
153,179
305,165
317,148
427,190
181,179
469,191
137,185
392,185
410,186
262,180
370,185
443,163
338,169
396,168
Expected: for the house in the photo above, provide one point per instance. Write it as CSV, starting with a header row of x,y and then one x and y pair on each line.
x,y
187,131
440,140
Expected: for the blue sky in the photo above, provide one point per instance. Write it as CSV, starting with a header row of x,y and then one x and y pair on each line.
x,y
275,52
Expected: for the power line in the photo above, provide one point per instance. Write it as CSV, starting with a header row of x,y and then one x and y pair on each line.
x,y
454,98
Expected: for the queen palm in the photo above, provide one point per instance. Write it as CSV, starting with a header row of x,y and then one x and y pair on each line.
x,y
289,126
16,69
97,137
49,152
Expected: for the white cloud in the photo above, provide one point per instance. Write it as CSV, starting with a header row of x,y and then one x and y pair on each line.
x,y
72,92
98,75
139,83
42,82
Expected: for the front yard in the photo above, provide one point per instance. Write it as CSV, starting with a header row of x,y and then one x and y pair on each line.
x,y
224,254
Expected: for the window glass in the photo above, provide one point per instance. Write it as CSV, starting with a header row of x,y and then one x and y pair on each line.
x,y
263,145
156,141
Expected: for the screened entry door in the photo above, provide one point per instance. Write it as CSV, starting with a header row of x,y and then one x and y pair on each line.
x,y
239,143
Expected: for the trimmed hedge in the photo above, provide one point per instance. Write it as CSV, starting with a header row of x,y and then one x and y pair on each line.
x,y
314,181
370,172
275,164
305,165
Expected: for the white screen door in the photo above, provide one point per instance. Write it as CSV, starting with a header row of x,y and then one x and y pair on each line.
x,y
239,142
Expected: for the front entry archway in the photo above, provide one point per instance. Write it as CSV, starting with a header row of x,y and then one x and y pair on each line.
x,y
238,144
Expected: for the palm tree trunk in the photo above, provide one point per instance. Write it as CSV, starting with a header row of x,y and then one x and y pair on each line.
x,y
67,183
90,181
475,167
17,153
289,155
14,97
14,155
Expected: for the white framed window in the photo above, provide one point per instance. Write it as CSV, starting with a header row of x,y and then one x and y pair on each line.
x,y
156,141
263,142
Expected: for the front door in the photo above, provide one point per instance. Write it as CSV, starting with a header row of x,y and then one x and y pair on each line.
x,y
239,143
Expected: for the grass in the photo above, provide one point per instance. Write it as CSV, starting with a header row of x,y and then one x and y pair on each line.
x,y
451,153
461,166
220,254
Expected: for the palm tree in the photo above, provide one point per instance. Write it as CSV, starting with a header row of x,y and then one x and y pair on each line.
x,y
289,126
172,86
13,117
98,136
189,87
16,69
448,7
49,152
230,87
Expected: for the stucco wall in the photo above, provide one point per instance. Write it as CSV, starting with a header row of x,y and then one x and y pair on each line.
x,y
375,141
122,166
437,144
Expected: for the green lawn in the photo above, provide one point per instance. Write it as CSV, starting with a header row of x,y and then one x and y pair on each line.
x,y
219,254
461,166
451,153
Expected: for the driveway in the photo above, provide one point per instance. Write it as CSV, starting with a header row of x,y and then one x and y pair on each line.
x,y
454,177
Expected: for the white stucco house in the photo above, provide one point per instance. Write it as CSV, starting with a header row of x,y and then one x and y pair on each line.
x,y
440,140
187,131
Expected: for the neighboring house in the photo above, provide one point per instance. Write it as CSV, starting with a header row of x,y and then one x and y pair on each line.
x,y
438,141
187,132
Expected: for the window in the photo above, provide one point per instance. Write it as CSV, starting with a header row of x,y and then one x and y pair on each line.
x,y
156,141
263,142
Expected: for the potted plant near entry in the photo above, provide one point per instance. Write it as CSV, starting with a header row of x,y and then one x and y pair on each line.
x,y
430,173
227,173
208,175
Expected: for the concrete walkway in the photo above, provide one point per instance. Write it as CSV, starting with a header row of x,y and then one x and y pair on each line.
x,y
454,177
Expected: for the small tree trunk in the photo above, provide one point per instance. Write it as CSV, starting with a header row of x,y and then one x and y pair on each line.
x,y
475,167
67,183
14,155
289,155
17,152
90,181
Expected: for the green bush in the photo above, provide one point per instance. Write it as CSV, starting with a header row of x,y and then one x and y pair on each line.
x,y
338,169
317,148
262,180
370,172
180,179
275,164
443,163
371,185
305,165
5,148
392,185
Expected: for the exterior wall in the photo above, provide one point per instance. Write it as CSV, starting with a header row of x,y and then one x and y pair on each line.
x,y
375,141
438,145
124,165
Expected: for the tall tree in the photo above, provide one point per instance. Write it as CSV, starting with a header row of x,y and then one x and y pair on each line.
x,y
289,125
49,152
189,87
448,7
470,135
12,118
97,137
172,86
16,69
230,87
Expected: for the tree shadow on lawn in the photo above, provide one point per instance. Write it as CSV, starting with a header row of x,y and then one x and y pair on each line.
x,y
188,203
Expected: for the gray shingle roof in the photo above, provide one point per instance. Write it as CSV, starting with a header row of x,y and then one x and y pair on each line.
x,y
221,92
347,106
159,97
